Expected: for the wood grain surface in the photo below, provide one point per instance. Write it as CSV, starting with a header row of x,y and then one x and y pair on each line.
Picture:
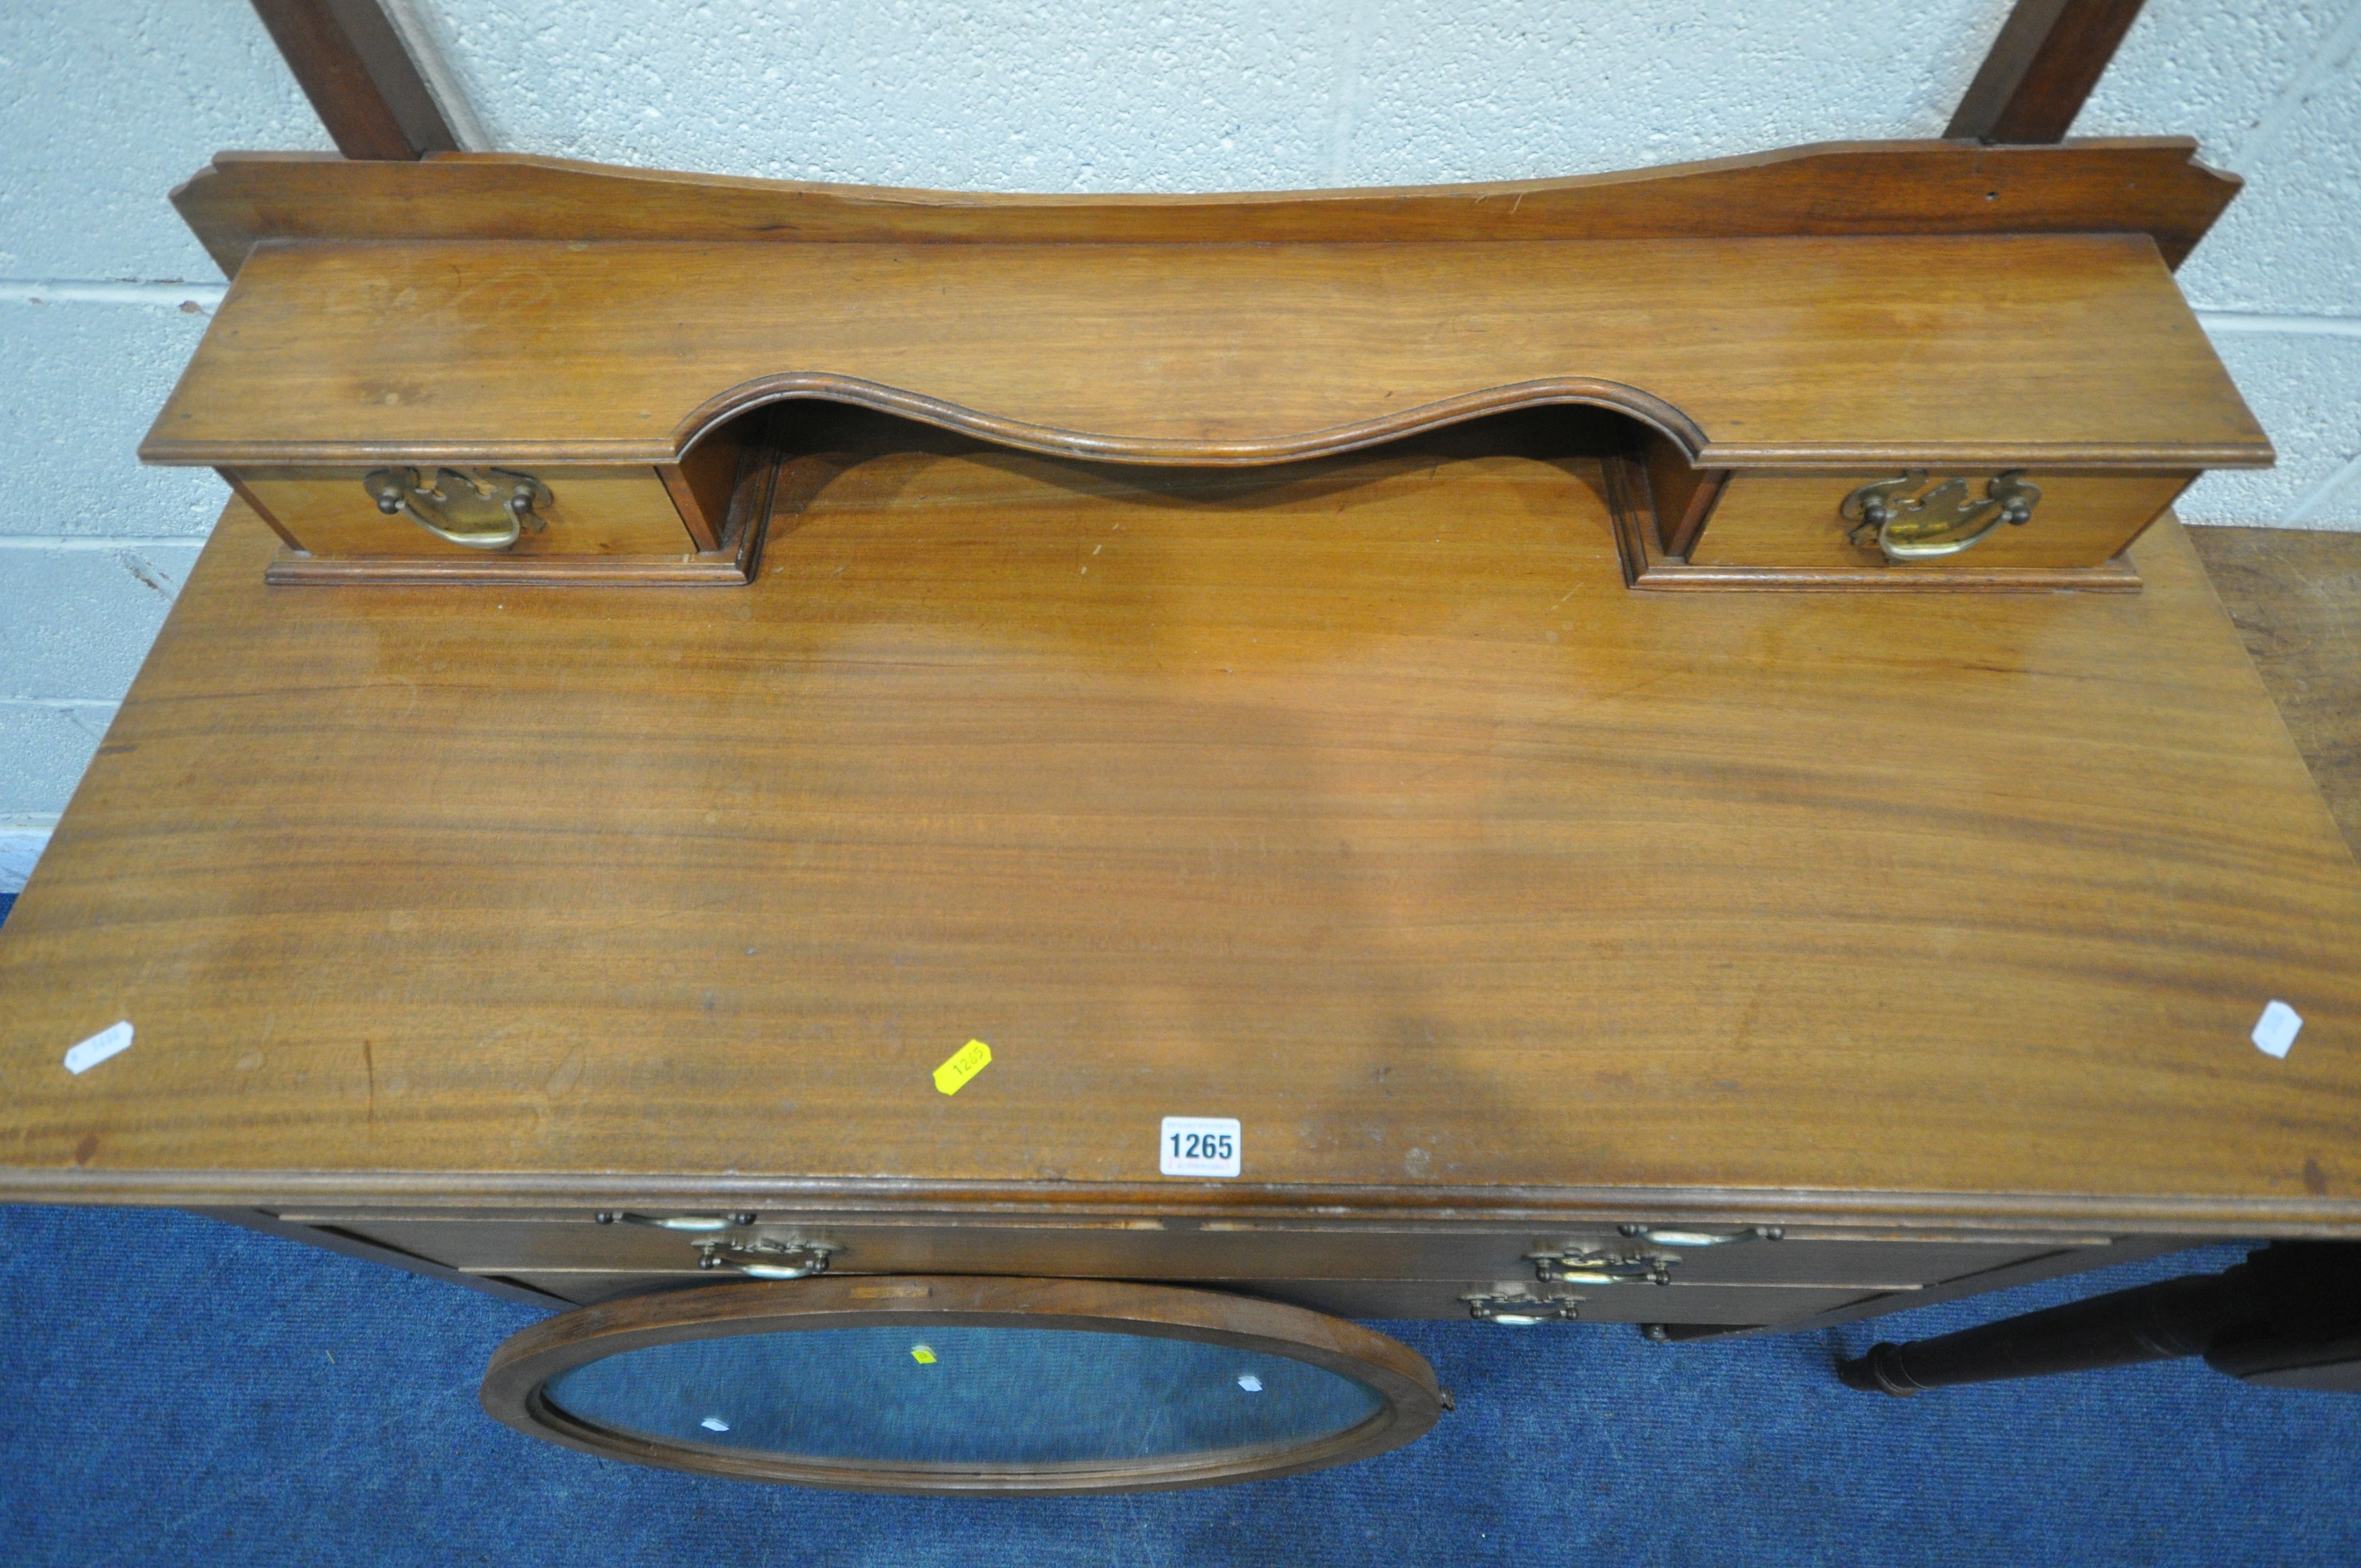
x,y
1358,801
2146,185
1994,351
2296,596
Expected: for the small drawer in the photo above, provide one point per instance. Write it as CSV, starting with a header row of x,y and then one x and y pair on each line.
x,y
1725,1305
421,521
1947,521
584,511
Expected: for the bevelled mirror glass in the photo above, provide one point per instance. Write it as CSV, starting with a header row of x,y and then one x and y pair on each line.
x,y
964,1385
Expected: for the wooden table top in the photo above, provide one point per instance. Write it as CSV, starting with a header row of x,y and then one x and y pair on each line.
x,y
1360,802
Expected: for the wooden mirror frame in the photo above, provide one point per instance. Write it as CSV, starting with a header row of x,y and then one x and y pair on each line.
x,y
525,1365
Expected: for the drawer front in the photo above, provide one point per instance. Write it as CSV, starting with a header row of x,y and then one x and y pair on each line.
x,y
1182,1250
1730,1306
591,513
1793,520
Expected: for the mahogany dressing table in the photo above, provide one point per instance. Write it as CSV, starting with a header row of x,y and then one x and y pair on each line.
x,y
1637,750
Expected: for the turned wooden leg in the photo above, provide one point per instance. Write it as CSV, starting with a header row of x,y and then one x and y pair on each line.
x,y
2290,1315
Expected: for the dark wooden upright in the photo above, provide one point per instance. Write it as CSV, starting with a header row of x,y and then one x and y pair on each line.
x,y
362,82
2042,67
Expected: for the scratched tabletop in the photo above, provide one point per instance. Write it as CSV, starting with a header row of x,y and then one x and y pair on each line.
x,y
1360,802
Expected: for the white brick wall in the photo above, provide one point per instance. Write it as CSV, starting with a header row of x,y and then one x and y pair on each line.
x,y
2271,92
105,104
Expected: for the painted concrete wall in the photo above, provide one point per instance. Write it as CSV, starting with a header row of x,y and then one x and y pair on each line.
x,y
106,103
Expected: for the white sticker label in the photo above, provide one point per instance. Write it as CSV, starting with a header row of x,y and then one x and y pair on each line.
x,y
2275,1031
1199,1145
107,1042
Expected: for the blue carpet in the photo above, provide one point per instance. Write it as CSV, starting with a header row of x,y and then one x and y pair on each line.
x,y
173,1390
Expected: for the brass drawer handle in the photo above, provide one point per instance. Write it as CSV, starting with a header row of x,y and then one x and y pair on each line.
x,y
1524,1311
1649,1260
1667,1235
753,1256
491,516
1602,1266
695,1223
1910,523
766,1260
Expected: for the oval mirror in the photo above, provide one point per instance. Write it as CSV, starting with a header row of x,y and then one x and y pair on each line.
x,y
963,1384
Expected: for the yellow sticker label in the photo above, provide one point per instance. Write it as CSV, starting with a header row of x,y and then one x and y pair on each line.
x,y
966,1062
922,1354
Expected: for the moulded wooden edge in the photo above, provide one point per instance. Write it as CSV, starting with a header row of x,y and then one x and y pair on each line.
x,y
2086,456
295,569
2330,1218
1053,441
802,1219
1261,451
523,1364
821,386
2153,185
